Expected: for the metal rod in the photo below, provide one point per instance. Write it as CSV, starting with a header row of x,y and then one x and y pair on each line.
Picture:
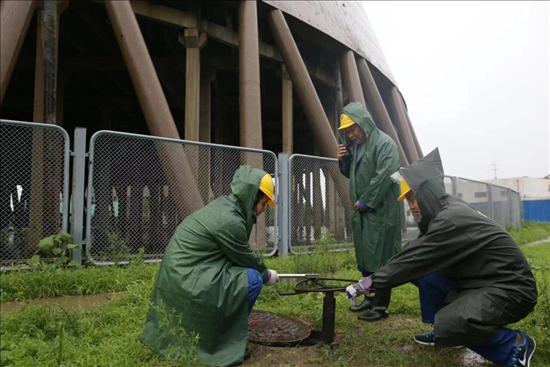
x,y
329,316
15,18
250,106
351,78
404,142
79,187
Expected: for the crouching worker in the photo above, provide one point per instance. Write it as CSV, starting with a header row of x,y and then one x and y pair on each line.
x,y
473,278
210,276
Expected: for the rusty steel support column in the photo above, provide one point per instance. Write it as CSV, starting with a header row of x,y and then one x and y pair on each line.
x,y
381,116
401,123
304,86
153,103
250,106
315,114
287,113
411,127
351,78
51,30
15,18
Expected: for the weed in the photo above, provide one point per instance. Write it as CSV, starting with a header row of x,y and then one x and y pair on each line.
x,y
186,344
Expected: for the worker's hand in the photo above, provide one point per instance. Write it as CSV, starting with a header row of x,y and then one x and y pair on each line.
x,y
362,287
272,278
341,152
360,207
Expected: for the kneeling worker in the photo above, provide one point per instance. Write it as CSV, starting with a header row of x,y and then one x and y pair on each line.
x,y
210,276
473,278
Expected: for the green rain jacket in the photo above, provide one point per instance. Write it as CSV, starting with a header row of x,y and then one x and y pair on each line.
x,y
492,282
377,234
203,275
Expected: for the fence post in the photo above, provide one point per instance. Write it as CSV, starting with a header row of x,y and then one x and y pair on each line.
x,y
490,197
454,186
79,173
283,205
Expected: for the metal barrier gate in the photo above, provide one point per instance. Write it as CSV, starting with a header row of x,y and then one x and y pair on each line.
x,y
141,187
34,187
319,204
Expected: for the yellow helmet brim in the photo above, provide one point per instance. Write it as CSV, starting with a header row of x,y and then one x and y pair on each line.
x,y
345,122
404,186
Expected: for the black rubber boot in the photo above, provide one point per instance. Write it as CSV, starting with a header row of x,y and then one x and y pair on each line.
x,y
380,305
363,306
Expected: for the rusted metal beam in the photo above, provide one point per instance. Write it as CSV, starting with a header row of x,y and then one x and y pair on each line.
x,y
217,32
411,127
50,38
339,98
15,18
154,105
304,86
250,105
381,116
401,120
351,78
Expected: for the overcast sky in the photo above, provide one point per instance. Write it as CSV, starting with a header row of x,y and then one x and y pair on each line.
x,y
476,79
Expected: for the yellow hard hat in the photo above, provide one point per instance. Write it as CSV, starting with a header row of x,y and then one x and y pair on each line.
x,y
345,121
404,189
267,187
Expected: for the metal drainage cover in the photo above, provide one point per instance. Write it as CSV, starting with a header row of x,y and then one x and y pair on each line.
x,y
274,329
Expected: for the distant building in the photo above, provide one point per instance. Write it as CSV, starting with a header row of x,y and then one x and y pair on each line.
x,y
535,195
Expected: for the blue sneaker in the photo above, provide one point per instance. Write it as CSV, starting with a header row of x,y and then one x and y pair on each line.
x,y
521,356
425,339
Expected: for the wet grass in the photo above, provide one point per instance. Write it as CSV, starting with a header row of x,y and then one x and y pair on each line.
x,y
530,232
108,335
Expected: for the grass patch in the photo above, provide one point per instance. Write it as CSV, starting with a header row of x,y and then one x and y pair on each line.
x,y
53,282
109,335
530,232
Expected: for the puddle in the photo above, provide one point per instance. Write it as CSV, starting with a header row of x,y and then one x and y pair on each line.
x,y
84,303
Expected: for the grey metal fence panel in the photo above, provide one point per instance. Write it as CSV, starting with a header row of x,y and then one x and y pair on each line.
x,y
515,207
502,213
34,187
320,207
132,204
476,194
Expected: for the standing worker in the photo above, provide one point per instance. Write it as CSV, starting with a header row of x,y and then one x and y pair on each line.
x,y
473,278
376,219
209,275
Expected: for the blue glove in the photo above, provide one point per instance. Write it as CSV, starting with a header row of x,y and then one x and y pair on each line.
x,y
363,207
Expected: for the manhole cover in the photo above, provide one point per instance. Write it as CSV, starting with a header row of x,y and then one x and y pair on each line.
x,y
274,329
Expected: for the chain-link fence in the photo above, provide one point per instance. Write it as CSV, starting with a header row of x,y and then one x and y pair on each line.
x,y
141,187
501,204
34,187
320,207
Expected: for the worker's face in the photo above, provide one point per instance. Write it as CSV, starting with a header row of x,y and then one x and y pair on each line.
x,y
355,134
260,207
413,204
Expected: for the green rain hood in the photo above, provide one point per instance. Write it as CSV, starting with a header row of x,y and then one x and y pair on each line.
x,y
377,235
492,282
203,275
